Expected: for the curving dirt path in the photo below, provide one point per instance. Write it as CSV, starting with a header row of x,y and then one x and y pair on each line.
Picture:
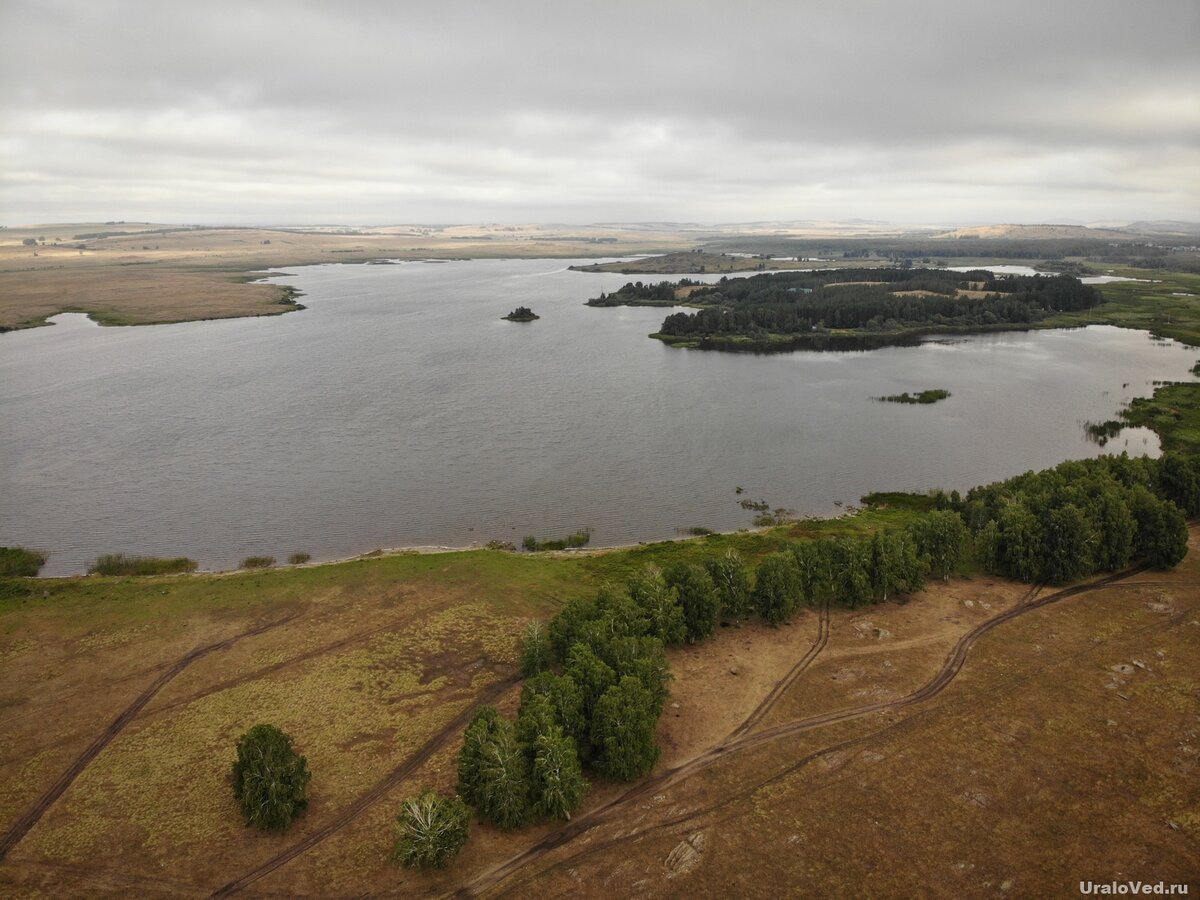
x,y
371,797
31,816
493,876
787,680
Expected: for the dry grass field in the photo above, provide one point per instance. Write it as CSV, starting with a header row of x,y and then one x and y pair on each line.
x,y
134,274
836,756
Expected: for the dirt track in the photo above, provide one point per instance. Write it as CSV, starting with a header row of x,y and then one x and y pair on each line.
x,y
741,740
31,816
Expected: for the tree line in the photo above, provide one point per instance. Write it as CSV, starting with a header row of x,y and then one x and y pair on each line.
x,y
791,303
597,677
1083,517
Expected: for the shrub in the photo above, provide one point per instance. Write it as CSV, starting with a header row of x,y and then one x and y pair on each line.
x,y
18,561
120,564
270,778
257,562
432,830
298,558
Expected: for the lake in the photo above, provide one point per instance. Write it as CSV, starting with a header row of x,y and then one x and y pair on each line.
x,y
399,410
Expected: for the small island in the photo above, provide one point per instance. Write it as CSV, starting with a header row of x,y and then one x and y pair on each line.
x,y
930,396
521,314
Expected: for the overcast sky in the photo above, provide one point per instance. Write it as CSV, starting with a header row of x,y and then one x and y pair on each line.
x,y
555,111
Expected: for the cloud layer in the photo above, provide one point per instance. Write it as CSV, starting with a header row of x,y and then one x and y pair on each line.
x,y
356,112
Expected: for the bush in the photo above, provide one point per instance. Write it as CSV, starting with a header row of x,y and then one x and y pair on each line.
x,y
297,559
270,778
432,830
257,562
120,564
19,562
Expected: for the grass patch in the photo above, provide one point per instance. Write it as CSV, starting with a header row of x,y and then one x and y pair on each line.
x,y
572,541
20,562
257,562
120,564
297,559
1173,413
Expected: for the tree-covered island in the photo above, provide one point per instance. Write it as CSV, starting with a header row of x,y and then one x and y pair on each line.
x,y
851,309
521,314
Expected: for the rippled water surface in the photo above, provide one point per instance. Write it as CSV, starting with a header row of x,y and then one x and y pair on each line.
x,y
398,409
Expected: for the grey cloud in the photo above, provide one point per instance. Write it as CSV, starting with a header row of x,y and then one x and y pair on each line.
x,y
321,111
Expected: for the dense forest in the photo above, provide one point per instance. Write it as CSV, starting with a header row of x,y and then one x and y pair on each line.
x,y
852,308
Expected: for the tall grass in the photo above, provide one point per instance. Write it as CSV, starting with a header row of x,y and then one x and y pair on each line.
x,y
120,564
19,561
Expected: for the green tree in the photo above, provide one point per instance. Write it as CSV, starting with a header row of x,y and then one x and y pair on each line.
x,y
480,733
1179,481
623,730
732,581
777,589
818,573
895,567
432,829
557,782
536,652
852,565
698,598
646,660
1161,537
270,779
660,603
566,625
502,795
1115,530
941,538
1019,543
592,675
565,698
1067,545
535,717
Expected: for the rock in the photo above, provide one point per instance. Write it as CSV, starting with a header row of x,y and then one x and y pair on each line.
x,y
881,633
685,856
733,670
1122,668
674,706
1141,665
969,604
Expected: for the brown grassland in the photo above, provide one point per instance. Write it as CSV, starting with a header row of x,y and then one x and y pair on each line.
x,y
1065,748
137,274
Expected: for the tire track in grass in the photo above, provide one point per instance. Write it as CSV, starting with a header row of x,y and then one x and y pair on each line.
x,y
22,825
